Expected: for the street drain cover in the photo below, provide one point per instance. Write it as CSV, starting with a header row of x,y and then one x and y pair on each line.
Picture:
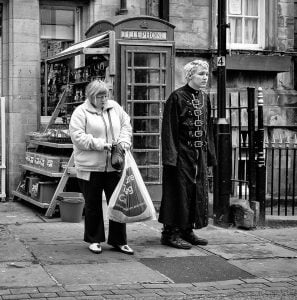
x,y
195,268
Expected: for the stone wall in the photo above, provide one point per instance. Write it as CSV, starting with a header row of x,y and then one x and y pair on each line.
x,y
191,19
285,25
103,9
21,82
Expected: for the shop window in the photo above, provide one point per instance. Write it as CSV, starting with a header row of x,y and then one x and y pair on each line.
x,y
57,24
59,28
246,18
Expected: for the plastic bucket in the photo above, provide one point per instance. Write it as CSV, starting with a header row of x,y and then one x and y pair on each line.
x,y
71,206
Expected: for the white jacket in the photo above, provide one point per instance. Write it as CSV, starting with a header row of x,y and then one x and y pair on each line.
x,y
90,130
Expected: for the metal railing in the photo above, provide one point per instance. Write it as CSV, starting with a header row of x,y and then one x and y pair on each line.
x,y
261,171
239,108
281,185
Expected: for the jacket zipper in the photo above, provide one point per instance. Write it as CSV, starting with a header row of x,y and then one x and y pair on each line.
x,y
106,136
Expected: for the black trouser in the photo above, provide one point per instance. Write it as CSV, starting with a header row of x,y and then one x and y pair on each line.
x,y
172,231
94,222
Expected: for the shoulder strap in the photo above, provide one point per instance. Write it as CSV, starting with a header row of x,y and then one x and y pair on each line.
x,y
110,123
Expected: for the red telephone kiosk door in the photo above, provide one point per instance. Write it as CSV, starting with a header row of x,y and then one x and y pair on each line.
x,y
146,82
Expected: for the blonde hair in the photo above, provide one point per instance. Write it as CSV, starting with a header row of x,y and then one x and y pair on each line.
x,y
192,67
94,88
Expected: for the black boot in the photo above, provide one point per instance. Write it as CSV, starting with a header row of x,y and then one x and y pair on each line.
x,y
171,237
189,236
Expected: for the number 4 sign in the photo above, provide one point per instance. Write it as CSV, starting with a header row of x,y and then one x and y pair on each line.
x,y
221,61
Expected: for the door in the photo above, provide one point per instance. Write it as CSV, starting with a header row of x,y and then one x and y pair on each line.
x,y
146,82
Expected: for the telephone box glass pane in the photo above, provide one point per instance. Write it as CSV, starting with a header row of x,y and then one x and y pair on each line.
x,y
129,108
146,93
163,78
154,93
147,60
129,59
146,126
151,174
129,76
144,109
146,142
147,158
147,76
129,93
163,60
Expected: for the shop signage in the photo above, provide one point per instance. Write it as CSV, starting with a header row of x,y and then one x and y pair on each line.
x,y
144,35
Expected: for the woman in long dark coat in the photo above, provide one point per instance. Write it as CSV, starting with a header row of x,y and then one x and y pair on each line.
x,y
187,151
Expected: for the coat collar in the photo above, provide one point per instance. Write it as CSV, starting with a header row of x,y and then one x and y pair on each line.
x,y
90,108
191,90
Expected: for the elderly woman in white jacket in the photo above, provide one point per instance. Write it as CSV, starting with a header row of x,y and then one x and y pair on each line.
x,y
90,130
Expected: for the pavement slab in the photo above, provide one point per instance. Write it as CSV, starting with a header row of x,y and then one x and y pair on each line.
x,y
14,250
48,232
250,251
277,235
292,244
219,236
196,268
65,254
270,267
17,213
23,274
129,272
157,250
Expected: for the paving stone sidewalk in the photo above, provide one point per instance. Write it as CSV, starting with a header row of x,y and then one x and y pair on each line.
x,y
260,288
46,259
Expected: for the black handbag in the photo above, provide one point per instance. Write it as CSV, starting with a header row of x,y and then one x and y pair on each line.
x,y
117,151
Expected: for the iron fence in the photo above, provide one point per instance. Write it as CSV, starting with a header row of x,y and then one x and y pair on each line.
x,y
281,185
265,175
237,111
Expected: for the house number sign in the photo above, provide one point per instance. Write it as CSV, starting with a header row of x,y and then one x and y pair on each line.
x,y
144,35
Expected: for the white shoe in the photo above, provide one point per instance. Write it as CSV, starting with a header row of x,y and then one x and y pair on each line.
x,y
95,248
124,249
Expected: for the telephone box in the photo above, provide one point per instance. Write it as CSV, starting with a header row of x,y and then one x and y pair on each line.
x,y
135,56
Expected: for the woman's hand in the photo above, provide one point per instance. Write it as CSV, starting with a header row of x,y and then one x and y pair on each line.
x,y
107,146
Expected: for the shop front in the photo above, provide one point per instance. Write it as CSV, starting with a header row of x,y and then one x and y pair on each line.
x,y
135,56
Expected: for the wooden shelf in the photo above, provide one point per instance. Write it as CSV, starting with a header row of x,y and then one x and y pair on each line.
x,y
41,171
73,103
29,199
79,82
53,145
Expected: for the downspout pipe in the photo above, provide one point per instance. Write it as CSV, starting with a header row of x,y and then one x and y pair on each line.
x,y
123,9
164,10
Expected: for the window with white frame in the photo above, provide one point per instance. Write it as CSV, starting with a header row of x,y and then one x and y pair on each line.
x,y
247,24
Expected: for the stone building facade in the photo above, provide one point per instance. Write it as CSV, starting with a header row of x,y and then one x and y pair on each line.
x,y
268,62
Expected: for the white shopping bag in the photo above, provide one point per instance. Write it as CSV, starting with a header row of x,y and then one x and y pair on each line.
x,y
130,201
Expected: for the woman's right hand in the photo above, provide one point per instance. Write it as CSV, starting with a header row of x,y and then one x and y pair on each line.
x,y
107,146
